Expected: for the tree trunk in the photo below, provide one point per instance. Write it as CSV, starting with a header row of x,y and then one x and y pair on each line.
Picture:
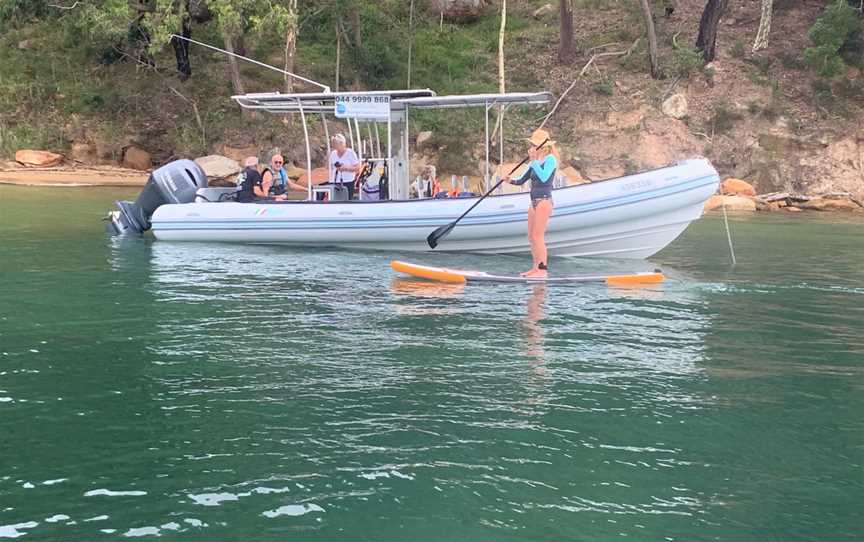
x,y
181,47
357,38
652,38
290,45
707,39
501,46
565,46
338,55
501,85
410,41
230,44
761,41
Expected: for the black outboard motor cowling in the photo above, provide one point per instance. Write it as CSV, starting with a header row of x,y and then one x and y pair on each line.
x,y
175,182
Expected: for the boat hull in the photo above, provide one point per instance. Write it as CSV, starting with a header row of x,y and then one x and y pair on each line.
x,y
632,217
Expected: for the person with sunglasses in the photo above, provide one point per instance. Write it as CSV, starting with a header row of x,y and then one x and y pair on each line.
x,y
275,178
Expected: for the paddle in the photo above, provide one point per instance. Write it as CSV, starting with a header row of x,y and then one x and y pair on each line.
x,y
442,231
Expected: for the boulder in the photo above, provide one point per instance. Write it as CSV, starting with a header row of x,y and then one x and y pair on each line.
x,y
601,171
572,175
732,203
30,157
319,175
293,171
737,187
86,153
237,153
830,204
218,167
137,158
461,11
675,106
770,206
25,44
423,138
542,11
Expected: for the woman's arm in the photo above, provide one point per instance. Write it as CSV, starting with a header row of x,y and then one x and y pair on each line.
x,y
522,178
545,169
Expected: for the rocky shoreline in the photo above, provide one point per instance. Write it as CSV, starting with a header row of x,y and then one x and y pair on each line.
x,y
738,195
41,168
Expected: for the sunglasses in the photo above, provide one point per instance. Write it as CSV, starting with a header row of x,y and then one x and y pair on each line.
x,y
278,162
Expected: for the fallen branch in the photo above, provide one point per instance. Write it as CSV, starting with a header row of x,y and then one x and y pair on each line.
x,y
706,136
582,73
64,7
194,105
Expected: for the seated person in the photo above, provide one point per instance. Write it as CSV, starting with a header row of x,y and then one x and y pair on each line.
x,y
343,164
277,178
250,183
426,185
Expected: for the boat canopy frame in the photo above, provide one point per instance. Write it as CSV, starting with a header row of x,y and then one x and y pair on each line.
x,y
400,101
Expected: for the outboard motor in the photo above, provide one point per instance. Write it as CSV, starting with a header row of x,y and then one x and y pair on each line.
x,y
175,182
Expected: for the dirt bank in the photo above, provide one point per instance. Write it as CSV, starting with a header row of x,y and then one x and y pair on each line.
x,y
68,176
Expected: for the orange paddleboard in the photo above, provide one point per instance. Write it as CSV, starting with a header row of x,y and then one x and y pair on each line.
x,y
444,274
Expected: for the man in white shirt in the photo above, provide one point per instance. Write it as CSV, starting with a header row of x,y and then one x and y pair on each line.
x,y
343,163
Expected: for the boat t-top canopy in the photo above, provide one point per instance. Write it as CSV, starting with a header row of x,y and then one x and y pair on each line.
x,y
477,100
386,107
276,102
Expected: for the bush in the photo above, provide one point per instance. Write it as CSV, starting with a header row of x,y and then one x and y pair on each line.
x,y
724,119
17,11
829,34
603,88
738,50
686,60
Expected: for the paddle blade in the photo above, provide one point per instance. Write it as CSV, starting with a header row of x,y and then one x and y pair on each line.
x,y
439,233
636,278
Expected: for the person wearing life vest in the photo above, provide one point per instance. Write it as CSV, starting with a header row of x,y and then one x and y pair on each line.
x,y
276,178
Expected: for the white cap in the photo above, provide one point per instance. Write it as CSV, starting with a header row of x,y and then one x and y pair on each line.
x,y
251,161
339,137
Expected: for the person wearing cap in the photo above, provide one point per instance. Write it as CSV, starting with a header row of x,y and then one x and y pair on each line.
x,y
249,182
276,178
541,173
343,163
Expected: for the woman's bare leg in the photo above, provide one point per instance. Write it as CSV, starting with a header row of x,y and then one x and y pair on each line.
x,y
538,237
531,227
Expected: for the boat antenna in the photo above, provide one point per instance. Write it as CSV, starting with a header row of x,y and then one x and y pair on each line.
x,y
268,66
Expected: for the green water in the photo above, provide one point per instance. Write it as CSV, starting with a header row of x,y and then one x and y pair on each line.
x,y
206,392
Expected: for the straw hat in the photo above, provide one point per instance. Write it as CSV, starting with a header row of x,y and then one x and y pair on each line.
x,y
539,136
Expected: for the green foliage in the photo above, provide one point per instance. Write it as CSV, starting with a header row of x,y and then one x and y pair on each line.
x,y
13,12
791,60
738,49
724,118
686,60
30,135
829,33
604,87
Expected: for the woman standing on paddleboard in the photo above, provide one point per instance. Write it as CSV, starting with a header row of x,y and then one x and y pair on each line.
x,y
541,173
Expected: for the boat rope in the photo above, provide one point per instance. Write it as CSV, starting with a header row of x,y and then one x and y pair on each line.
x,y
728,232
268,66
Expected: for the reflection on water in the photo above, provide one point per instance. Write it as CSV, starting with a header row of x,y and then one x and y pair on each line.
x,y
259,393
533,330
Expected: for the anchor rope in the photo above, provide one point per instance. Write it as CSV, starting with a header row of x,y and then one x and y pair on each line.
x,y
728,231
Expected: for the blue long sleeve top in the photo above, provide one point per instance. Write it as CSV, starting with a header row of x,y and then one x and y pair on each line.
x,y
541,175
